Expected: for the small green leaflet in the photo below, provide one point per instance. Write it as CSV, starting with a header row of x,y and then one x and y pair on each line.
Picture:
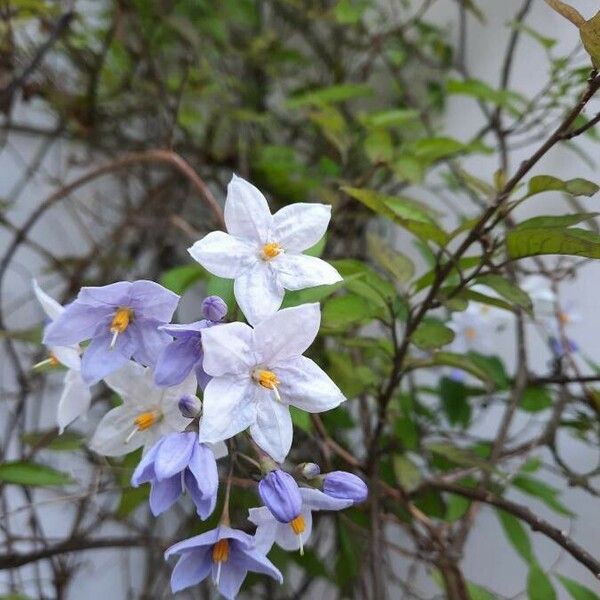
x,y
539,586
576,590
29,473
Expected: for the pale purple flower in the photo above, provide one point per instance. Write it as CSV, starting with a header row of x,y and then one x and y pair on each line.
x,y
185,352
292,535
122,321
224,553
175,462
280,494
346,486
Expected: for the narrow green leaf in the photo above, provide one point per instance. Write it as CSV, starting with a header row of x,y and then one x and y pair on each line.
x,y
330,95
555,220
549,183
539,586
29,473
576,590
50,440
517,536
476,592
432,334
546,493
522,243
507,290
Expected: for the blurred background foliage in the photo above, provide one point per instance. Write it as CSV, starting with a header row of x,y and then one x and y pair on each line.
x,y
312,100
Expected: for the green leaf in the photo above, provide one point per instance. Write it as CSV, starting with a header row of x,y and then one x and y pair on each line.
x,y
395,263
539,586
507,290
402,211
522,243
330,95
555,220
432,334
379,146
535,399
546,493
549,183
459,456
180,279
408,475
482,91
346,311
454,398
391,118
131,498
29,473
50,440
517,536
476,592
576,590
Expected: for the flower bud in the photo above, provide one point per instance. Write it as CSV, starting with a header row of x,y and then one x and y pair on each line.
x,y
214,308
309,470
189,406
346,486
280,494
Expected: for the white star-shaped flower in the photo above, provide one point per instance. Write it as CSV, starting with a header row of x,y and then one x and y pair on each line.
x,y
76,396
475,328
263,252
257,373
147,413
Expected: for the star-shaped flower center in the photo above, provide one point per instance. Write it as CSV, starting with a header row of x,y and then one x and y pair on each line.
x,y
144,421
120,323
270,251
298,527
470,333
267,379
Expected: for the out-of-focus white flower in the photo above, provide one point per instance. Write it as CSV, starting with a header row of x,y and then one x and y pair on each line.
x,y
147,413
541,293
263,252
258,373
76,396
475,328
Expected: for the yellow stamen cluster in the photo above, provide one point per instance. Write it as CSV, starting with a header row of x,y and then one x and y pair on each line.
x,y
121,320
298,525
563,318
470,333
145,420
53,361
270,251
220,552
266,378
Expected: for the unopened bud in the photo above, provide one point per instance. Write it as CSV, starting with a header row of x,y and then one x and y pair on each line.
x,y
309,470
214,308
190,406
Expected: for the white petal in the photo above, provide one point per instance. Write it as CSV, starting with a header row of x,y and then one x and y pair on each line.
x,y
51,307
227,409
74,401
258,293
228,348
127,382
273,430
306,386
287,333
317,500
112,431
247,213
266,530
299,226
69,356
287,539
219,449
173,420
224,255
298,271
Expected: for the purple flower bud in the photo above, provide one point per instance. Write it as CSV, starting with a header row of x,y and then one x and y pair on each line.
x,y
214,308
346,486
280,494
189,406
309,470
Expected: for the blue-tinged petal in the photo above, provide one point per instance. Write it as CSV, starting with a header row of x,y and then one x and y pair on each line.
x,y
209,538
257,562
273,430
164,494
99,360
191,569
231,577
227,409
112,296
186,330
246,212
202,377
148,339
203,467
258,292
205,504
174,454
153,301
176,361
316,500
76,323
144,472
51,307
266,528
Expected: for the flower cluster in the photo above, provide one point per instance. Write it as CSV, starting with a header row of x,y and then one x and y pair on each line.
x,y
248,374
